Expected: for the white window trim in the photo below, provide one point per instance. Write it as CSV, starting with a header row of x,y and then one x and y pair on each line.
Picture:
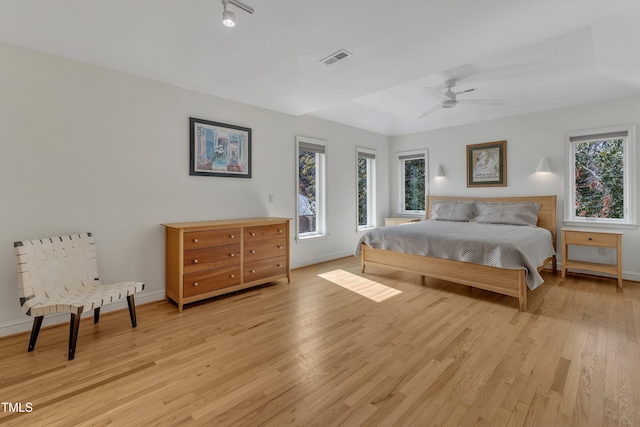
x,y
629,159
400,163
321,190
371,189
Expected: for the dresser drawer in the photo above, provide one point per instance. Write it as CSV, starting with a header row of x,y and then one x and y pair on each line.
x,y
208,258
210,280
204,239
263,232
591,239
263,249
255,270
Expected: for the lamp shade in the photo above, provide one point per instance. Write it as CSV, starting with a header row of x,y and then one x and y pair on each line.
x,y
439,172
543,166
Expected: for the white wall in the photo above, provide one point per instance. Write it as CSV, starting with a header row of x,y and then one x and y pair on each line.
x,y
529,137
84,148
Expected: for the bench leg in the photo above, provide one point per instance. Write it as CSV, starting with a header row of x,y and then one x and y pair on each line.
x,y
132,310
35,330
96,315
74,325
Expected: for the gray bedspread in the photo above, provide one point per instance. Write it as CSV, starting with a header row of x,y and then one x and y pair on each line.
x,y
504,246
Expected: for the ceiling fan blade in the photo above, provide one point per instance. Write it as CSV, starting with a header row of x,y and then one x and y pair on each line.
x,y
432,110
466,91
437,94
481,101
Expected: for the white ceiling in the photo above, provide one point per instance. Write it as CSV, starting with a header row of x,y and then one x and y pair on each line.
x,y
534,54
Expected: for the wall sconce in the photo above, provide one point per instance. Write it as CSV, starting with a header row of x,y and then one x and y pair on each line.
x,y
543,166
439,172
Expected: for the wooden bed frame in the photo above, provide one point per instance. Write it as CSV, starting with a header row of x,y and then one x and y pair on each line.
x,y
500,280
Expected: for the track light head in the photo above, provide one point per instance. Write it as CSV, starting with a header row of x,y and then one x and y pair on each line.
x,y
228,18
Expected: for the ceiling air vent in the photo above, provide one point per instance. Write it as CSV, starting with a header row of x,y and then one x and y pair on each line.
x,y
335,57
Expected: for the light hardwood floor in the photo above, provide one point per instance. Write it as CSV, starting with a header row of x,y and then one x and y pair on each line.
x,y
313,352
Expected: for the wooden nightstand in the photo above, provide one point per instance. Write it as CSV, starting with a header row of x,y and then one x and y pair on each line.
x,y
597,238
396,221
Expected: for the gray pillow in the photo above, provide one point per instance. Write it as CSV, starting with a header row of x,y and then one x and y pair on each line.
x,y
512,213
450,210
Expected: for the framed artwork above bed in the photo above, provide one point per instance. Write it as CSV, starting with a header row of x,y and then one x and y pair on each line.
x,y
487,164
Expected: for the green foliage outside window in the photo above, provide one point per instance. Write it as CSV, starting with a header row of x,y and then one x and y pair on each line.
x,y
362,191
414,185
307,191
599,179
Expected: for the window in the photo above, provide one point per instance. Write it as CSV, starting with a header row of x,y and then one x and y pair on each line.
x,y
413,183
601,176
366,179
311,185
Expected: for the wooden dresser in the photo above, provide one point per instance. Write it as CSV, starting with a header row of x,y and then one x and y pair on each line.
x,y
209,258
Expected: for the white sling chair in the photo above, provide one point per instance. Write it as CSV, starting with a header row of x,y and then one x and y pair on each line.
x,y
60,275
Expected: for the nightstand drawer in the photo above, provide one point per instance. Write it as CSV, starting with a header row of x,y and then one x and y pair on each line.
x,y
586,238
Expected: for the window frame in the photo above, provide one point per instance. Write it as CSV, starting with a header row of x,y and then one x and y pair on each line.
x,y
629,177
369,155
401,157
321,187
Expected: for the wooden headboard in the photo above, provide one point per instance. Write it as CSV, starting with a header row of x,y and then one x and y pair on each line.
x,y
546,215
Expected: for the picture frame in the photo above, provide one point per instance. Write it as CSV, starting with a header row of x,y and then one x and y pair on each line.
x,y
219,149
487,164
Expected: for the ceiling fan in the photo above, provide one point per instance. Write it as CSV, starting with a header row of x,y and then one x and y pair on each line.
x,y
448,99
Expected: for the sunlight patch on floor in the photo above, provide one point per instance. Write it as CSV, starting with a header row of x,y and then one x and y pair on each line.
x,y
367,288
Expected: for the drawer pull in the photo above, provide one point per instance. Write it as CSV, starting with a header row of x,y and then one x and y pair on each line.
x,y
279,246
590,238
195,240
279,231
253,271
232,275
253,251
232,236
279,265
253,234
195,261
232,254
195,284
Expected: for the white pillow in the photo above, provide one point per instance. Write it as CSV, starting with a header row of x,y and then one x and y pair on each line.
x,y
512,213
451,210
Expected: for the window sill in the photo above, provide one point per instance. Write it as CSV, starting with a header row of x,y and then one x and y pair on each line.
x,y
312,236
600,224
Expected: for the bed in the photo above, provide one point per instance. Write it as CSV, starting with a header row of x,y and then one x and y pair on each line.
x,y
505,281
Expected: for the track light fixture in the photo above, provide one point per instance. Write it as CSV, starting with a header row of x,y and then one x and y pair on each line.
x,y
228,17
